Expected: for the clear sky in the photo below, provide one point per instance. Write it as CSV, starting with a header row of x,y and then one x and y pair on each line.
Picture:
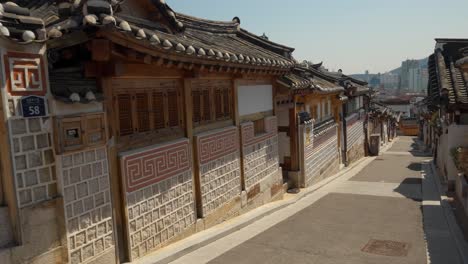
x,y
353,35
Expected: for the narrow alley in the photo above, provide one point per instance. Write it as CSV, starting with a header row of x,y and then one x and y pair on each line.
x,y
373,214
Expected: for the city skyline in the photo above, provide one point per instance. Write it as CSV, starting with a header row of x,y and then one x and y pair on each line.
x,y
371,35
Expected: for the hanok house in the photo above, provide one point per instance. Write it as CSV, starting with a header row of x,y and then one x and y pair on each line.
x,y
309,105
129,126
354,118
382,121
448,103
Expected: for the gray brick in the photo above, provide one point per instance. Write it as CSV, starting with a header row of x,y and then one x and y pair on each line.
x,y
25,197
67,161
42,141
86,172
70,194
35,159
30,178
34,125
82,190
44,175
40,193
18,126
97,169
90,156
16,145
27,143
93,186
89,203
78,208
75,175
78,159
20,162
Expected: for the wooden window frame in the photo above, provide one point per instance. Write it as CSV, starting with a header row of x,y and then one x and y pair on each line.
x,y
154,126
219,109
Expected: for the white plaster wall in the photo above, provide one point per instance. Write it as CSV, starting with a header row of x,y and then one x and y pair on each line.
x,y
254,99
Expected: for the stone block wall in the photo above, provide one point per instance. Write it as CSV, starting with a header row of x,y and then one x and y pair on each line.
x,y
260,153
30,138
321,154
85,185
355,137
33,159
218,159
159,198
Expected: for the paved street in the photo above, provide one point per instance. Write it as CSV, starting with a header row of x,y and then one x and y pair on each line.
x,y
371,216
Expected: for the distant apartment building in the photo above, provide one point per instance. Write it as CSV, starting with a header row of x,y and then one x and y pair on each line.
x,y
413,77
390,80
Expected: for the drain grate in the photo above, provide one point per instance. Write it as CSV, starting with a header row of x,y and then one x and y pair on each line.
x,y
386,248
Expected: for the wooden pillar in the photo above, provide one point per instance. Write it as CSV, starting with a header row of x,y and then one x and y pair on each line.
x,y
235,86
188,113
7,184
117,192
293,134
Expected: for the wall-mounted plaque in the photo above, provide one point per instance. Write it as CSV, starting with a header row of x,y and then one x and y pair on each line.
x,y
33,106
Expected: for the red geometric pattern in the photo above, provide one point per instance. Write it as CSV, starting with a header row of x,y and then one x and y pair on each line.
x,y
25,74
153,165
216,145
248,134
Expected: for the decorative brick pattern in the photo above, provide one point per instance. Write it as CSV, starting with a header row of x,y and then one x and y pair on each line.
x,y
260,153
219,163
88,207
149,166
320,153
25,74
33,160
354,130
164,207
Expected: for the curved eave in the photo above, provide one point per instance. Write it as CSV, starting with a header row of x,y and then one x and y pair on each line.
x,y
158,50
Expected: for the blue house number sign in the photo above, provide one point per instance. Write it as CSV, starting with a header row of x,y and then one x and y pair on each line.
x,y
33,106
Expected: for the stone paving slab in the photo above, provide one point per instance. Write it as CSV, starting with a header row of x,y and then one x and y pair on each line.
x,y
334,230
402,169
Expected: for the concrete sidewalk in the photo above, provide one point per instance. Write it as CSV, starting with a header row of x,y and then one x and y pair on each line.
x,y
372,213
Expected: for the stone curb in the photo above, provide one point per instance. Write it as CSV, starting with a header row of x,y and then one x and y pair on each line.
x,y
203,238
456,232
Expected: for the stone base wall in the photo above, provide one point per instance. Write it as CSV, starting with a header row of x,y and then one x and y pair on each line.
x,y
355,137
260,153
321,156
41,236
355,153
85,185
159,197
218,160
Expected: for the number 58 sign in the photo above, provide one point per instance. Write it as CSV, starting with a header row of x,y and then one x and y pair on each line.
x,y
33,106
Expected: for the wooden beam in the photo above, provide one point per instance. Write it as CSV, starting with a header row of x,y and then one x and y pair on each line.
x,y
7,177
101,49
148,59
114,177
140,70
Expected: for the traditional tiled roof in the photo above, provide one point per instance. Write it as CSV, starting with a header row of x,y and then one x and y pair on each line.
x,y
17,23
445,75
181,36
310,79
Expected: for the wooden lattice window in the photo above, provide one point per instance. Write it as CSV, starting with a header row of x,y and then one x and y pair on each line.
x,y
149,109
124,102
158,110
143,112
211,101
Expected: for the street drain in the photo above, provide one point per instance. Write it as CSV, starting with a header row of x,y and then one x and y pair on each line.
x,y
386,248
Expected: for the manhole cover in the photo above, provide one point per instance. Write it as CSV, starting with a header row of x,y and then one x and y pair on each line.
x,y
387,248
